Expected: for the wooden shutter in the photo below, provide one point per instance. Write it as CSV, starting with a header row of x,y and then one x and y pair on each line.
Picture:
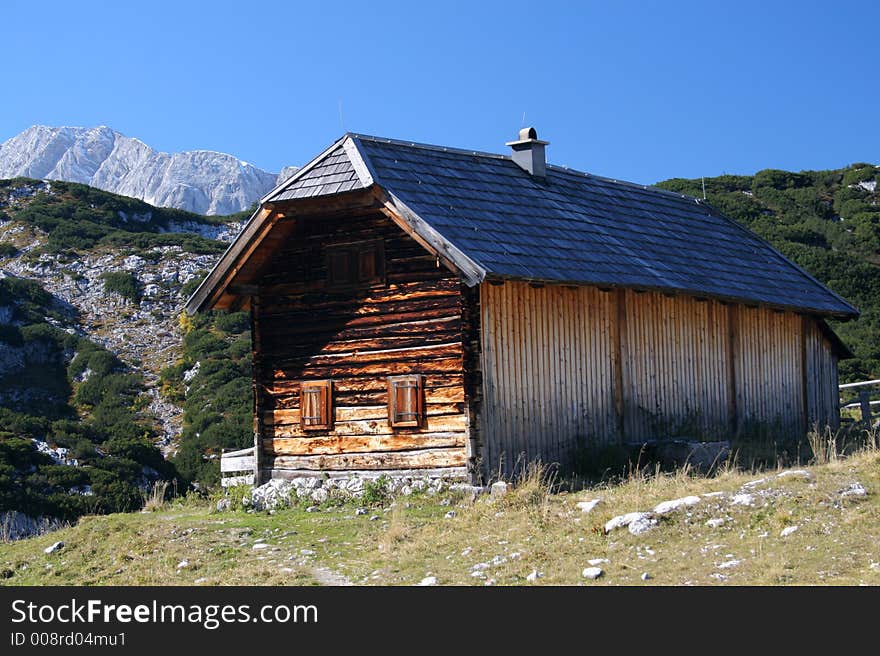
x,y
405,401
358,264
339,267
315,407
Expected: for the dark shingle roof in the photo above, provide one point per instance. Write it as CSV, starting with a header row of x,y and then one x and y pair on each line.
x,y
571,227
333,174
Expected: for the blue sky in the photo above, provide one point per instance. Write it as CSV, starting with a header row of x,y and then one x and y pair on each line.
x,y
638,90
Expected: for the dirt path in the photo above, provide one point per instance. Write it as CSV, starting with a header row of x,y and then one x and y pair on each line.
x,y
326,576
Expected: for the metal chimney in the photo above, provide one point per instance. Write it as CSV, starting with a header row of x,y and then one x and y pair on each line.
x,y
528,152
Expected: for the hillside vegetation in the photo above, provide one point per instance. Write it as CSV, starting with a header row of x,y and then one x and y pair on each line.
x,y
63,390
77,217
812,526
96,277
212,381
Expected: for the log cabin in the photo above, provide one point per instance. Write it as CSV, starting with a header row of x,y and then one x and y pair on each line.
x,y
425,310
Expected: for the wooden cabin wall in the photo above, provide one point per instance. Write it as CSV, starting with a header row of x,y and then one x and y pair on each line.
x,y
572,367
823,395
547,371
769,372
675,367
411,325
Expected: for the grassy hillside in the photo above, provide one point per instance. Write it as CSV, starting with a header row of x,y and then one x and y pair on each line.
x,y
76,217
62,389
123,262
815,526
828,222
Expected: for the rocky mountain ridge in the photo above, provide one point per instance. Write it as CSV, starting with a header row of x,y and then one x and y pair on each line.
x,y
201,181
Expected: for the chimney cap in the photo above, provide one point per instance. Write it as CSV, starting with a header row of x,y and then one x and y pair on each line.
x,y
527,136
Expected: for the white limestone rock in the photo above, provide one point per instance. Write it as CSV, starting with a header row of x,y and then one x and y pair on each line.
x,y
854,490
667,507
743,499
588,506
625,520
592,573
499,489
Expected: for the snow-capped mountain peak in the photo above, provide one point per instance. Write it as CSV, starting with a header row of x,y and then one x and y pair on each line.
x,y
202,181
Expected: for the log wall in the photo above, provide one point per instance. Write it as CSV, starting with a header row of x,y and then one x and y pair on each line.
x,y
357,338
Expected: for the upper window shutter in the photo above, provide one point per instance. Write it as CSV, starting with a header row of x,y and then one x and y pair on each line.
x,y
358,264
316,411
405,401
339,267
367,269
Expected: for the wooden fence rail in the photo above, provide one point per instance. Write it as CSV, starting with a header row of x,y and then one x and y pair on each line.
x,y
237,467
865,389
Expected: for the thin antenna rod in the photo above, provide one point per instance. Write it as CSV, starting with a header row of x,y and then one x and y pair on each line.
x,y
341,119
704,186
523,121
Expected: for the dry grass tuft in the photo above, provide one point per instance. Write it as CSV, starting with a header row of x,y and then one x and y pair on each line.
x,y
397,532
823,444
155,499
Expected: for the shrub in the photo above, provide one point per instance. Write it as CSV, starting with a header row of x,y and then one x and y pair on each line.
x,y
123,283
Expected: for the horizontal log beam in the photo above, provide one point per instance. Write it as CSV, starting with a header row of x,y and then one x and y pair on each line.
x,y
443,424
416,459
363,444
291,416
423,365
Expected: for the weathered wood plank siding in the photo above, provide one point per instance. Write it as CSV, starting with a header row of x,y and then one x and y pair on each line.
x,y
357,338
674,367
823,396
566,367
547,371
769,373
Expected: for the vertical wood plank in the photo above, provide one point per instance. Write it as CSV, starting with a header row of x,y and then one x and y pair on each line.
x,y
618,330
732,366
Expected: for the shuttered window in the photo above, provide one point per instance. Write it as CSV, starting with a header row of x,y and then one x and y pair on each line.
x,y
405,405
354,265
316,411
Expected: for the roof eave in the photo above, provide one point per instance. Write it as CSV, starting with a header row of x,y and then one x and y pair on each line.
x,y
206,291
696,293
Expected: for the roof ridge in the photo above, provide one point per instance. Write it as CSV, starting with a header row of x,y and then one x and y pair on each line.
x,y
482,153
425,146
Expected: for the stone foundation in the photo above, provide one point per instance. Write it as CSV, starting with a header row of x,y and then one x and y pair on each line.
x,y
279,493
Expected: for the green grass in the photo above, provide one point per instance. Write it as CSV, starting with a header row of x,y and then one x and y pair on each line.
x,y
531,528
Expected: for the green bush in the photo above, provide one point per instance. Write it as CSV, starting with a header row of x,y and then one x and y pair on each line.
x,y
123,283
860,173
219,402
